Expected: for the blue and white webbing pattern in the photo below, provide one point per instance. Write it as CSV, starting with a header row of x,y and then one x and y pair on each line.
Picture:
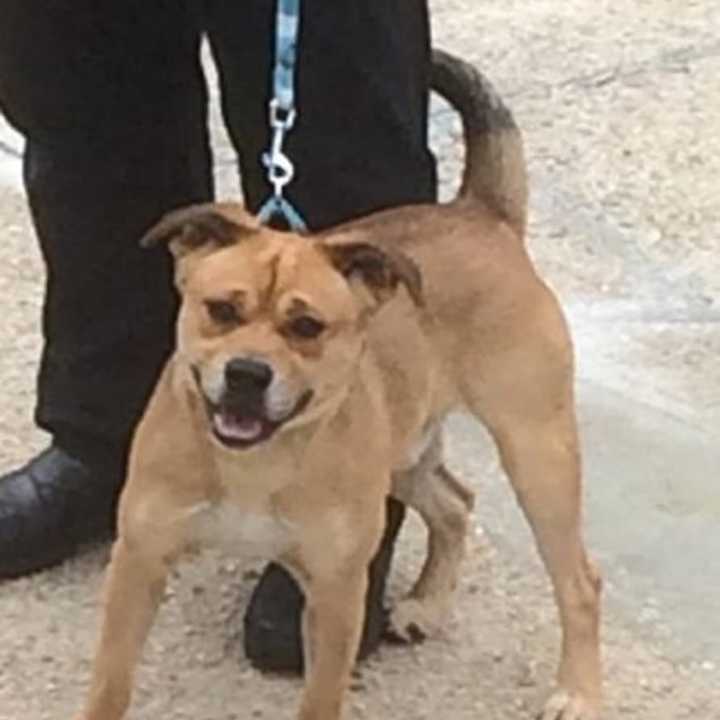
x,y
287,26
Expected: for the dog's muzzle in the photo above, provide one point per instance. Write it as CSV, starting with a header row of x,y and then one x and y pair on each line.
x,y
240,418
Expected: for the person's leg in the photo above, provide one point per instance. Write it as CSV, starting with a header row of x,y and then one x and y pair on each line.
x,y
360,144
111,100
360,141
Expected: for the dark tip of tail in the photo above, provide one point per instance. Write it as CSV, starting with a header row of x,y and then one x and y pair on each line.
x,y
495,173
470,93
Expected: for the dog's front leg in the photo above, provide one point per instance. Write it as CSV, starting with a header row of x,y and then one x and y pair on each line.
x,y
134,587
332,626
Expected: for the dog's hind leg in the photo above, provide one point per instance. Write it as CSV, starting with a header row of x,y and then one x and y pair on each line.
x,y
524,394
445,505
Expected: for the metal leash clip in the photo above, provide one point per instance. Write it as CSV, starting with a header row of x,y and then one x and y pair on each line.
x,y
280,168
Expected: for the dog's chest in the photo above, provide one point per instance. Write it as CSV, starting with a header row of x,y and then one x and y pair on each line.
x,y
250,533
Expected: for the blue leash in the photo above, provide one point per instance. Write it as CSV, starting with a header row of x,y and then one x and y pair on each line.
x,y
280,169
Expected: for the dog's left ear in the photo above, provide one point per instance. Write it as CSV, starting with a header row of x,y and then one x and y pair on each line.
x,y
207,226
380,269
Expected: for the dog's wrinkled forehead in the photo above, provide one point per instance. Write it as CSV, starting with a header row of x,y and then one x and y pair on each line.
x,y
271,269
228,250
222,249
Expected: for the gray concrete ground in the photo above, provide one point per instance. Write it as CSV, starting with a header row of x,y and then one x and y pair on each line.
x,y
621,108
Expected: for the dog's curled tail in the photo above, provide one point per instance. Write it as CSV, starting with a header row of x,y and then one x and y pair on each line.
x,y
495,173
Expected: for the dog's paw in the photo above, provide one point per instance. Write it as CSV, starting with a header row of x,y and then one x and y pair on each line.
x,y
413,620
565,705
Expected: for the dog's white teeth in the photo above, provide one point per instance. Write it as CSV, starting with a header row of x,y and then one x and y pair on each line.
x,y
236,428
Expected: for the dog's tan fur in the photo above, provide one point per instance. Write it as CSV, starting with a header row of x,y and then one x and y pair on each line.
x,y
426,309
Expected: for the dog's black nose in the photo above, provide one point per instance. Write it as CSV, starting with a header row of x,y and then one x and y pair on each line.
x,y
242,374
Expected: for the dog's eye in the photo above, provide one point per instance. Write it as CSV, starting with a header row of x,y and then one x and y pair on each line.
x,y
223,312
306,327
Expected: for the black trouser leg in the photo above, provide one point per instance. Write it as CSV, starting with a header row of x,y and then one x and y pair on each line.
x,y
360,144
111,100
109,308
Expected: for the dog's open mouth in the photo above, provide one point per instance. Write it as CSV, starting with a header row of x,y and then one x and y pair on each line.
x,y
238,427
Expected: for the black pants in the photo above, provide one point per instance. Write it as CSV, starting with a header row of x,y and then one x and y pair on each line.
x,y
111,98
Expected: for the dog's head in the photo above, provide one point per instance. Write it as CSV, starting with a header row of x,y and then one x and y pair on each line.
x,y
271,324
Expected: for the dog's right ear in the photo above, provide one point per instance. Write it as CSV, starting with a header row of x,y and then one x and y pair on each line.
x,y
207,227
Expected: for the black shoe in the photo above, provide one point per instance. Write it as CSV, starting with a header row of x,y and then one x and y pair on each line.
x,y
272,635
51,506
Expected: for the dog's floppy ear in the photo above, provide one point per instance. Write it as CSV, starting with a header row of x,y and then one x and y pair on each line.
x,y
206,226
380,269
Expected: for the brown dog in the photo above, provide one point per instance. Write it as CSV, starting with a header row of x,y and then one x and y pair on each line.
x,y
311,378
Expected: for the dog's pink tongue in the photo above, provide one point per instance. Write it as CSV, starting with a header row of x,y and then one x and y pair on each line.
x,y
237,428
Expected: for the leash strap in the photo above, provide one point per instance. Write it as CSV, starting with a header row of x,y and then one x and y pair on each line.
x,y
282,115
